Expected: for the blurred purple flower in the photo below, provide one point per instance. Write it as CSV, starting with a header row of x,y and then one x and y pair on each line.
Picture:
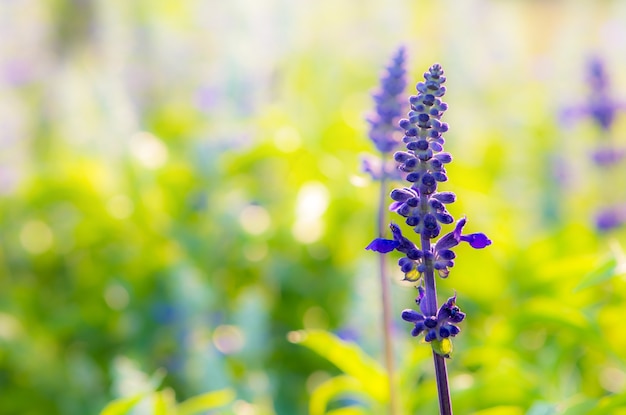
x,y
600,105
373,166
389,106
610,218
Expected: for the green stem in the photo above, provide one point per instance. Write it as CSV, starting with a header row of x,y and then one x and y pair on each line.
x,y
441,372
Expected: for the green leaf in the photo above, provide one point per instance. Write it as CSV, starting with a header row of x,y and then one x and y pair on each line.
x,y
164,402
581,408
206,401
329,390
349,358
608,403
612,266
350,410
542,408
501,410
122,406
543,310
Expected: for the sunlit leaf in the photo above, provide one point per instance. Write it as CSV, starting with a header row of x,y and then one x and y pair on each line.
x,y
206,402
501,410
546,311
542,408
122,406
164,402
612,266
349,358
581,408
331,389
351,410
608,404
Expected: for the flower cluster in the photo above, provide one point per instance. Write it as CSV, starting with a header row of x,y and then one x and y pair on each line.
x,y
436,327
440,255
423,208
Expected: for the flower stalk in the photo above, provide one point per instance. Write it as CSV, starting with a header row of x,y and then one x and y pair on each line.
x,y
423,209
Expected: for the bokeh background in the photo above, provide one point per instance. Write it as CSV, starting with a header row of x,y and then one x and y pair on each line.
x,y
181,189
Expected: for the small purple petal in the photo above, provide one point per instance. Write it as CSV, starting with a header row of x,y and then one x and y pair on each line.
x,y
476,240
395,206
382,245
419,327
454,330
395,230
446,242
444,197
412,316
457,317
459,228
430,322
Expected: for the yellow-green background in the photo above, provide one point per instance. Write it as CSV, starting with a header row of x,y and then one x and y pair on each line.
x,y
180,188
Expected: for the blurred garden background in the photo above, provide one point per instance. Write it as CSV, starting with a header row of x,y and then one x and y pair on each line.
x,y
181,195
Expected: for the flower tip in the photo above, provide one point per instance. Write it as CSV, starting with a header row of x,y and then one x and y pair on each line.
x,y
477,240
395,206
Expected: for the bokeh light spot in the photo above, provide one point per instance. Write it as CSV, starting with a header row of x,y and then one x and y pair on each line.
x,y
613,379
359,181
120,206
287,139
228,339
308,231
462,381
148,150
296,336
116,297
254,219
36,237
241,407
10,327
331,167
353,109
311,203
255,252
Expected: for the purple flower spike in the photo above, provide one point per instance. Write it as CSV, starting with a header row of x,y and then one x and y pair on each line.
x,y
419,203
389,106
422,164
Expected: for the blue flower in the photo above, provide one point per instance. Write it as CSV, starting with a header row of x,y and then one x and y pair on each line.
x,y
438,327
413,264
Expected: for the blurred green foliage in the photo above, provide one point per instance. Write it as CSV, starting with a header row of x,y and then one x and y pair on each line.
x,y
180,190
